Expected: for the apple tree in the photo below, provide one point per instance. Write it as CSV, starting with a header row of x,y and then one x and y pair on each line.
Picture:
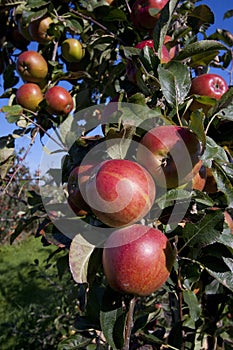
x,y
135,128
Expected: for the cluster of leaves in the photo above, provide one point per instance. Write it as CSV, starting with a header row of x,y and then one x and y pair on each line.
x,y
195,305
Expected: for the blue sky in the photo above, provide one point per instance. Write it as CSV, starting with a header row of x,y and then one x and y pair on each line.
x,y
219,7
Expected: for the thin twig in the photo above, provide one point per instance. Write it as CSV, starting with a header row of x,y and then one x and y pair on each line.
x,y
129,323
91,19
46,133
128,7
19,166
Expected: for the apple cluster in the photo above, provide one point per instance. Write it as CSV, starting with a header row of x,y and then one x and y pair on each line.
x,y
34,70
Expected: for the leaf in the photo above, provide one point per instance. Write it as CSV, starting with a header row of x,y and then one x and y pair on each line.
x,y
223,182
197,126
79,255
225,278
200,49
115,14
118,142
228,14
199,16
213,152
52,235
175,82
193,304
110,321
205,232
161,27
224,106
7,154
223,35
22,225
172,195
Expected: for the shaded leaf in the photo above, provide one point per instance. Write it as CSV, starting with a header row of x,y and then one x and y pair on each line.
x,y
224,106
172,195
109,321
7,154
201,14
175,82
79,255
228,14
22,225
193,304
200,49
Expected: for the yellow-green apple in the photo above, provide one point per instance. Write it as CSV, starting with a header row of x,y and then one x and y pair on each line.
x,y
32,66
171,154
120,192
72,50
29,96
59,101
210,85
137,259
76,185
141,16
38,29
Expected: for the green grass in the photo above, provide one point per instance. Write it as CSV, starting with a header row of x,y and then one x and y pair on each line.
x,y
34,302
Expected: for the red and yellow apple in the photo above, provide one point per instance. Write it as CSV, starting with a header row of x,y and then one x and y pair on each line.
x,y
72,50
38,29
29,96
32,66
120,192
171,154
165,56
59,101
141,17
137,259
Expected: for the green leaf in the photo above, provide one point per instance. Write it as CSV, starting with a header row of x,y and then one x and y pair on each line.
x,y
223,182
7,154
213,152
228,14
79,255
205,232
223,35
22,225
224,106
225,278
175,82
193,304
196,124
199,16
110,321
118,142
198,51
162,25
13,113
115,14
172,195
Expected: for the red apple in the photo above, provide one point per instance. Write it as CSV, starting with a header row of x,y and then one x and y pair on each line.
x,y
76,184
72,50
171,154
38,29
141,17
29,96
59,100
199,180
137,260
165,57
211,85
32,66
120,192
171,48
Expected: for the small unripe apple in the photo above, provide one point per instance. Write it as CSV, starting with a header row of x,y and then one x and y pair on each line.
x,y
120,192
29,96
38,29
59,101
211,85
171,154
76,185
72,50
141,17
137,260
32,66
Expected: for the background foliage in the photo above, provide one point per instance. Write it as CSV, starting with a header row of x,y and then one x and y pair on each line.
x,y
193,310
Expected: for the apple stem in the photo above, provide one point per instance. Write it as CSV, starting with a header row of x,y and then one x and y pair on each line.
x,y
129,323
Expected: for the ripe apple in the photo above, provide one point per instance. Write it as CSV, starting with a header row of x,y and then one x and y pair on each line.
x,y
29,96
76,184
211,85
137,259
171,48
141,17
120,192
171,154
199,180
165,57
32,66
59,100
38,29
72,50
